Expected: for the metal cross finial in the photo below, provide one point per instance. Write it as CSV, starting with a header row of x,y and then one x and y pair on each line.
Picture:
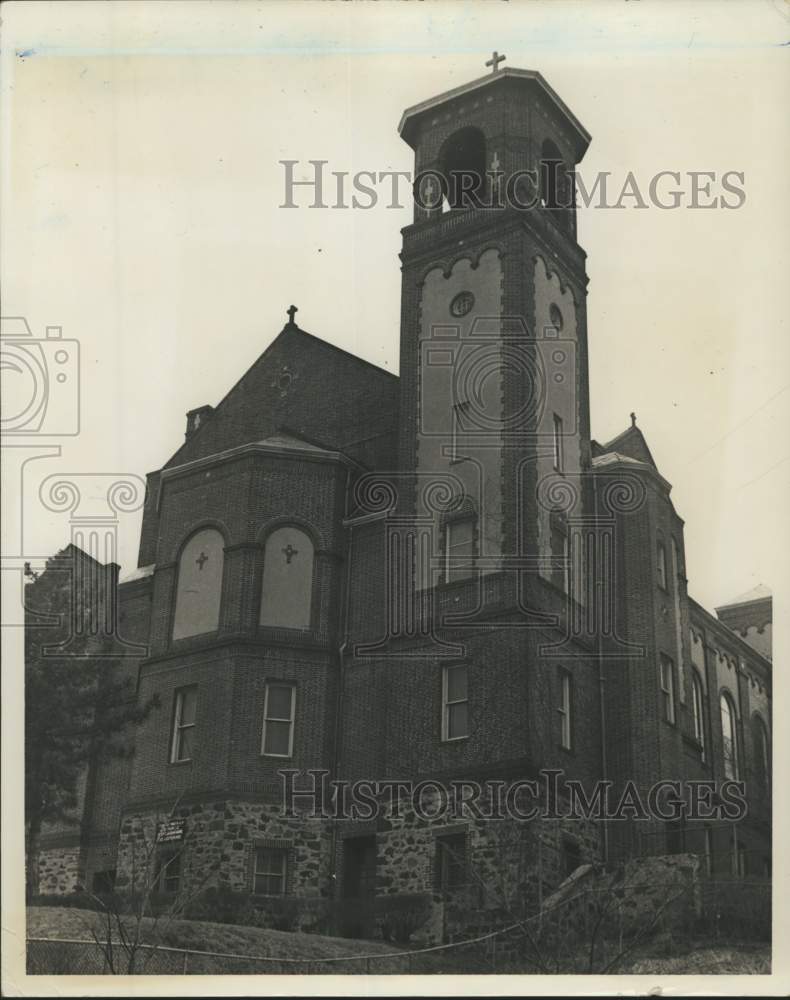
x,y
292,311
633,420
495,60
201,560
289,552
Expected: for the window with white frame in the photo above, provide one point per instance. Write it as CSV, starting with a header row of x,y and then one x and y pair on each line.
x,y
460,425
698,710
558,457
270,871
182,743
667,672
278,720
565,709
455,702
459,549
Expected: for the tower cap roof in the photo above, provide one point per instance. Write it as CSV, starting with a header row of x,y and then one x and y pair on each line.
x,y
411,115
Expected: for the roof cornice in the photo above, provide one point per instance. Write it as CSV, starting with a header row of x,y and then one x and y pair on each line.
x,y
486,81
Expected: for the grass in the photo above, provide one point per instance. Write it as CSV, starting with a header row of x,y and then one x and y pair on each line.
x,y
665,955
733,959
62,922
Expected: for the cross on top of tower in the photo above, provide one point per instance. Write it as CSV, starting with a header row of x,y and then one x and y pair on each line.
x,y
292,311
495,60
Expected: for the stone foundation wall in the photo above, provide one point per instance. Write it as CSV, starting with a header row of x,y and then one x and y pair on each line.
x,y
504,856
59,870
218,844
511,865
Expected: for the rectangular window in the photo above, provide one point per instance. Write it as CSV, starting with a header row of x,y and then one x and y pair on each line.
x,y
169,873
278,720
455,702
460,425
459,549
668,688
451,861
182,744
558,457
271,866
565,709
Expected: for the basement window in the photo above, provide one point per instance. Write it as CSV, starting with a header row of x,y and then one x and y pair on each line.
x,y
269,875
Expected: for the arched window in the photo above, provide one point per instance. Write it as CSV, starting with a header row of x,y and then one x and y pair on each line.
x,y
462,163
729,737
762,753
661,556
698,710
199,587
287,591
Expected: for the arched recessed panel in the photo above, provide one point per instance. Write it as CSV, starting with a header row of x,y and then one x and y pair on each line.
x,y
287,591
199,588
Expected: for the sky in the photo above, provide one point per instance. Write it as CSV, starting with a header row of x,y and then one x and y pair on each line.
x,y
141,194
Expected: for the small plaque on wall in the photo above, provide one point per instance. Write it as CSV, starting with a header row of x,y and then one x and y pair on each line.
x,y
170,831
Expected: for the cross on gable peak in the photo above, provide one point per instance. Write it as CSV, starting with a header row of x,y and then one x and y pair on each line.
x,y
292,311
495,60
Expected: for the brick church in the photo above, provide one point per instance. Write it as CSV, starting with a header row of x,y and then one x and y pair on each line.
x,y
434,575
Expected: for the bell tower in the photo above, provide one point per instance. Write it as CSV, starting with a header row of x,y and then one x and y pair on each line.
x,y
494,430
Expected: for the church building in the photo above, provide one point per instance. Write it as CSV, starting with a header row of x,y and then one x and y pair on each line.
x,y
433,576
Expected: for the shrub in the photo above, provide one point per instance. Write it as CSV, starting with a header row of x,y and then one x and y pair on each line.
x,y
221,905
399,916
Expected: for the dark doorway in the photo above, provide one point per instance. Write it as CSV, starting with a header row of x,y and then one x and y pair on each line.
x,y
359,886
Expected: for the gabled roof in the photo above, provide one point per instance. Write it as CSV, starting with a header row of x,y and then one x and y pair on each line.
x,y
630,443
758,593
308,394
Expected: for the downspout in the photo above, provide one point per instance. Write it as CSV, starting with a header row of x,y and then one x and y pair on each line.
x,y
345,587
599,587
